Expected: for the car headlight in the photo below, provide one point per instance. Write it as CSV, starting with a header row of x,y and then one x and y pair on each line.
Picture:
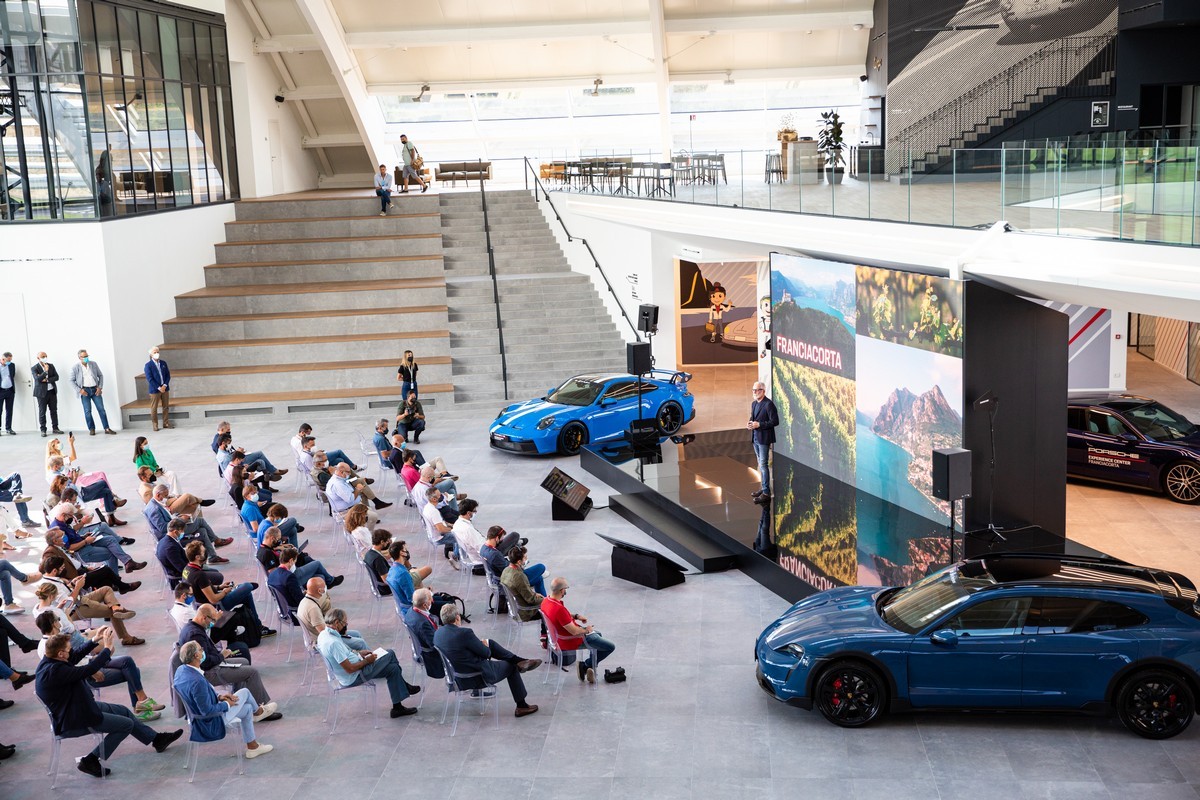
x,y
545,423
501,414
793,649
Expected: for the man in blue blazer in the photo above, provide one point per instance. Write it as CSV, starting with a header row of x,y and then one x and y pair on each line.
x,y
158,385
466,652
171,555
210,712
61,685
763,420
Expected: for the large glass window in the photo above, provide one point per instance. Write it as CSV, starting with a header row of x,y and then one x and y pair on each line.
x,y
112,107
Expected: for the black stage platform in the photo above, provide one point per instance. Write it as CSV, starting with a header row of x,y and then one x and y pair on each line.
x,y
692,493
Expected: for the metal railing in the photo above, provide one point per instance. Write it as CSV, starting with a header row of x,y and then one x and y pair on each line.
x,y
487,232
539,188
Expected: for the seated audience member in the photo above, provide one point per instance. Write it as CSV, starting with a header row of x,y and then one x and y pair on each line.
x,y
418,574
277,517
423,623
212,712
466,652
95,575
306,566
177,504
91,542
173,558
573,630
143,456
409,470
256,459
97,490
11,492
472,541
322,475
445,485
10,633
223,666
252,508
120,669
62,687
515,578
534,573
235,628
376,560
237,476
440,529
159,516
343,494
85,518
283,577
8,571
410,418
381,441
351,667
355,523
312,610
95,604
398,578
225,596
335,456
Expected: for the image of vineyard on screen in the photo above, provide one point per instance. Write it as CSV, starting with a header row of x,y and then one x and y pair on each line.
x,y
813,364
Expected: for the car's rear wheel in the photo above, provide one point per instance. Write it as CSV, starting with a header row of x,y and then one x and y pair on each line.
x,y
1156,704
1181,482
572,438
850,694
669,418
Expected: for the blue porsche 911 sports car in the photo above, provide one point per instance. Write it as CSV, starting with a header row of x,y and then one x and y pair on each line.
x,y
594,408
1006,632
1134,441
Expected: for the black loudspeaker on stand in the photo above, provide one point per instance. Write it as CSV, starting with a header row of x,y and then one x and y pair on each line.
x,y
637,358
647,318
952,481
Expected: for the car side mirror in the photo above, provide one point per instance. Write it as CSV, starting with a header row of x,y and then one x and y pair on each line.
x,y
1129,437
944,637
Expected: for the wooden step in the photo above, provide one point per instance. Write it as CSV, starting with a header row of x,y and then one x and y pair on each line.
x,y
254,369
368,260
331,219
289,340
339,312
331,239
314,288
272,397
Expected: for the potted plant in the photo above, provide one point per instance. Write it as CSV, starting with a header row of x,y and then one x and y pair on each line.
x,y
830,144
787,128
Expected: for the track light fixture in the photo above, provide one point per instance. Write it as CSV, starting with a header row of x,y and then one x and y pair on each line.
x,y
596,84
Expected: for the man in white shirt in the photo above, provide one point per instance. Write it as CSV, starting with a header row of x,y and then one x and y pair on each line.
x,y
343,494
468,536
351,667
443,534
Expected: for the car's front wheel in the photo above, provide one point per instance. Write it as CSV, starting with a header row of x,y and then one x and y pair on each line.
x,y
669,418
572,438
1156,704
1181,482
850,694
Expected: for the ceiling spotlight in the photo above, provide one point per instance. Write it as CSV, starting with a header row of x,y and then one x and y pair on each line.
x,y
858,26
596,87
421,98
728,77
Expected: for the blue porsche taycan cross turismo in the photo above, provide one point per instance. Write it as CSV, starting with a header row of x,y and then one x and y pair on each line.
x,y
1001,632
593,409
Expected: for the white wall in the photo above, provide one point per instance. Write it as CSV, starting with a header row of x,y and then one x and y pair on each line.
x,y
255,84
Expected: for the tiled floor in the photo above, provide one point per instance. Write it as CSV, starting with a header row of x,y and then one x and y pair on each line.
x,y
689,723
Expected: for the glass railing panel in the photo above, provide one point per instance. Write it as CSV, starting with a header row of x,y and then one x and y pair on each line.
x,y
976,189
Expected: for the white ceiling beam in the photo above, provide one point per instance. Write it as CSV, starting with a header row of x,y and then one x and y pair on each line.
x,y
368,116
331,140
293,43
662,77
301,93
811,21
771,73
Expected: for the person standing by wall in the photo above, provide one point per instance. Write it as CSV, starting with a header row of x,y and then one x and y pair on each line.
x,y
8,390
410,156
158,384
45,391
407,375
383,188
764,417
88,380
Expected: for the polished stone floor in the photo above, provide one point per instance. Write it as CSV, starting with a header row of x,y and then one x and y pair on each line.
x,y
689,723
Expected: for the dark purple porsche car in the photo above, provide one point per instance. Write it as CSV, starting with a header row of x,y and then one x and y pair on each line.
x,y
1134,441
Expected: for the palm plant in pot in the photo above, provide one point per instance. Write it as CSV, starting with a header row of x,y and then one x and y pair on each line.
x,y
830,144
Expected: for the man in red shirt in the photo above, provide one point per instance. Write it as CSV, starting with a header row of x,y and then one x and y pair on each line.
x,y
573,631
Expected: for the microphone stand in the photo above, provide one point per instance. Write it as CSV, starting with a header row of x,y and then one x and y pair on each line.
x,y
993,404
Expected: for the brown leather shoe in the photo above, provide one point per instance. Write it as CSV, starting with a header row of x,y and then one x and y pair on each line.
x,y
133,641
119,502
528,664
526,711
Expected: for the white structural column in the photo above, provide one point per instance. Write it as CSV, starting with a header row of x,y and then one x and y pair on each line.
x,y
662,77
368,117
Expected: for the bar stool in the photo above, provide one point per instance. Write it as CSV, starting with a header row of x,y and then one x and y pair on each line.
x,y
773,168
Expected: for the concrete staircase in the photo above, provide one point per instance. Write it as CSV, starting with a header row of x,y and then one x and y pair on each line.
x,y
308,308
555,323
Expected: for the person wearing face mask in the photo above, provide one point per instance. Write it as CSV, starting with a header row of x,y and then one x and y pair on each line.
x,y
45,391
231,628
312,610
224,666
8,390
158,385
88,381
573,631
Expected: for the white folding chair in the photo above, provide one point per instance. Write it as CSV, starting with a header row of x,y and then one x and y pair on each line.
x,y
336,688
455,689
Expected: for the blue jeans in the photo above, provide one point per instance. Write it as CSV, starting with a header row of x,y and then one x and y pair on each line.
x,y
108,549
242,595
406,387
287,529
535,574
603,647
258,462
90,398
387,668
10,487
121,669
6,671
338,457
385,197
98,491
763,453
118,722
7,573
309,570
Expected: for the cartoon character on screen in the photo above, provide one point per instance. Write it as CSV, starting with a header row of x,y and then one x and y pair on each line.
x,y
764,325
716,308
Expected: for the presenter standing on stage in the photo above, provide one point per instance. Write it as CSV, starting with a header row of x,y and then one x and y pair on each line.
x,y
763,419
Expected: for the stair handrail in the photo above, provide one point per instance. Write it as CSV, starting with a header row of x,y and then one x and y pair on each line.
x,y
931,125
487,232
537,185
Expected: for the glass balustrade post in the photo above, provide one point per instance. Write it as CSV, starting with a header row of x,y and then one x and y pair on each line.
x,y
953,185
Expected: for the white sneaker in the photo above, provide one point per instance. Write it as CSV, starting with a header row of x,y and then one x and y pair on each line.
x,y
261,750
266,710
22,499
454,563
12,609
383,213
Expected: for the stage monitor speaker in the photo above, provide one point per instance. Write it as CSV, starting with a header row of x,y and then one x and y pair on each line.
x,y
647,318
643,567
637,358
951,473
